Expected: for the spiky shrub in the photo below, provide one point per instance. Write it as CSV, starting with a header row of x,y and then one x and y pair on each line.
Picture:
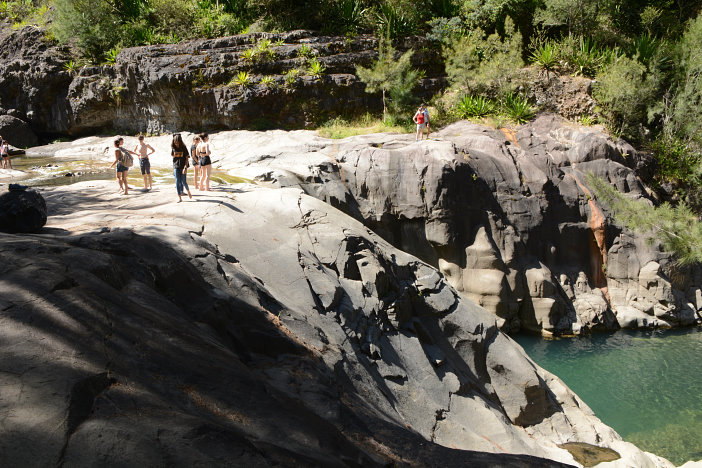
x,y
70,67
267,81
249,55
111,55
264,50
475,106
517,108
305,51
242,79
291,77
392,21
350,14
316,68
545,55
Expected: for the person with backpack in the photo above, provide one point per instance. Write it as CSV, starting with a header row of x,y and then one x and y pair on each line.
x,y
124,160
418,118
179,152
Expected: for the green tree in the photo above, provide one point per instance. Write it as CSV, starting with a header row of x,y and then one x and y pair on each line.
x,y
477,64
625,89
94,26
677,227
391,76
685,120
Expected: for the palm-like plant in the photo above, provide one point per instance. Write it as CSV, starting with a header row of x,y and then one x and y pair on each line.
x,y
315,68
242,79
475,106
545,55
268,81
517,108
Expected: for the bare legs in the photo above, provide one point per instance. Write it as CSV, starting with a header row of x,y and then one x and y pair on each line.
x,y
197,177
122,181
205,177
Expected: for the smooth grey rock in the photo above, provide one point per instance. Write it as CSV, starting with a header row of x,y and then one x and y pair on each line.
x,y
17,132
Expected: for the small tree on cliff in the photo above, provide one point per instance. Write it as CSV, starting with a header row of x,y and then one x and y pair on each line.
x,y
394,78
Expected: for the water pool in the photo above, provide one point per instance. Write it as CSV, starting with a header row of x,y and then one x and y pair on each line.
x,y
647,385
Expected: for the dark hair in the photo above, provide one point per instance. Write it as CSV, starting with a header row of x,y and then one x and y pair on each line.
x,y
177,142
203,136
141,137
117,142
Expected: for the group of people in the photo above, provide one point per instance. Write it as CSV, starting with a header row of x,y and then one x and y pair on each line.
x,y
199,156
5,153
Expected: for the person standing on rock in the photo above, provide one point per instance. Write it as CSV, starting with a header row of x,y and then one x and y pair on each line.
x,y
144,164
179,152
5,153
419,120
195,161
203,153
123,159
426,118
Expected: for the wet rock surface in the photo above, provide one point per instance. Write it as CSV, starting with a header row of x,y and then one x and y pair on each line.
x,y
262,327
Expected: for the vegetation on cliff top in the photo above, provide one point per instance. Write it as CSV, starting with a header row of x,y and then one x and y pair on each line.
x,y
644,54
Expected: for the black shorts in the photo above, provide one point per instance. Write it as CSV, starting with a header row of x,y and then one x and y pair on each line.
x,y
205,161
145,166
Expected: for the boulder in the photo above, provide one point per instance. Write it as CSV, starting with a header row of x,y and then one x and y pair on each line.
x,y
22,211
17,132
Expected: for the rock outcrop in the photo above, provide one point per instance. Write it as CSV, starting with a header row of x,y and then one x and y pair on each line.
x,y
165,88
505,215
258,326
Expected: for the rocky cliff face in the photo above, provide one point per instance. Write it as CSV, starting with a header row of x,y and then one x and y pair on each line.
x,y
258,326
163,88
505,215
186,86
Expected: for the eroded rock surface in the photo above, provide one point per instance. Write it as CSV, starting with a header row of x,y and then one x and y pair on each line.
x,y
505,215
258,326
150,88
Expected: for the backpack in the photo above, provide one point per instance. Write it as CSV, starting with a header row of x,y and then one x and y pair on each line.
x,y
420,118
126,160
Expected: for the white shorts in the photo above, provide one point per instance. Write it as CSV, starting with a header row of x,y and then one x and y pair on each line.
x,y
421,126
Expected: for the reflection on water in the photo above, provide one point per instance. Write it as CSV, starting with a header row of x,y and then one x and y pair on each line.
x,y
647,385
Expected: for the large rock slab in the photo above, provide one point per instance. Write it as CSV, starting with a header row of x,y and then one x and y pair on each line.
x,y
258,326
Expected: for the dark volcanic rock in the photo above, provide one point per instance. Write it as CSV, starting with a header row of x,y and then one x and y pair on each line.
x,y
22,211
17,132
163,88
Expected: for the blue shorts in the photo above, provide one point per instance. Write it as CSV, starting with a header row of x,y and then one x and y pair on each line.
x,y
121,167
145,166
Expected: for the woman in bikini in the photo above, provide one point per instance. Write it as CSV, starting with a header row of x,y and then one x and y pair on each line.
x,y
5,153
203,152
121,168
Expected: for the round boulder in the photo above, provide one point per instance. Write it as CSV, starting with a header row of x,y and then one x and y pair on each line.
x,y
22,211
17,132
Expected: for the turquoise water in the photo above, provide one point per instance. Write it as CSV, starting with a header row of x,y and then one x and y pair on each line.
x,y
647,385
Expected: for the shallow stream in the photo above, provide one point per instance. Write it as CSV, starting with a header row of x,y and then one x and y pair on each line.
x,y
647,385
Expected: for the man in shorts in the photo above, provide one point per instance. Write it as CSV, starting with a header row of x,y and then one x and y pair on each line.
x,y
144,150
